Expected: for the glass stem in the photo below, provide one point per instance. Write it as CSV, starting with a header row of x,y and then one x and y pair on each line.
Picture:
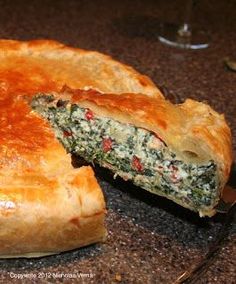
x,y
185,28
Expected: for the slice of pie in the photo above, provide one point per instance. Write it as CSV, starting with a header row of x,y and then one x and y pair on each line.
x,y
182,152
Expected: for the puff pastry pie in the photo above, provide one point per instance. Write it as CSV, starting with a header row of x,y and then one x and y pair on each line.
x,y
46,205
182,152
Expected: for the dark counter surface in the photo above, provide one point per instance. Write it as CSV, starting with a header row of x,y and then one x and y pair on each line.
x,y
151,240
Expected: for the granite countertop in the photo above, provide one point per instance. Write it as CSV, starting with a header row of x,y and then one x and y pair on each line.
x,y
150,239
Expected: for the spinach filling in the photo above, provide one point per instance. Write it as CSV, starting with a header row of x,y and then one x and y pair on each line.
x,y
130,152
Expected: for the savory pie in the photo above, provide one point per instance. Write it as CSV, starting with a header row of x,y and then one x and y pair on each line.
x,y
182,151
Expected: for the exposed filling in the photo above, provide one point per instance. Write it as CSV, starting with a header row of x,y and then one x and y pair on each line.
x,y
133,153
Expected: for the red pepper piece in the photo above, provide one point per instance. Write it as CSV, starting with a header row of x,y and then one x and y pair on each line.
x,y
67,133
174,176
173,168
136,164
106,144
89,114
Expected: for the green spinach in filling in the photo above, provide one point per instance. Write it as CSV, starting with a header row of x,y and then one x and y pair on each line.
x,y
132,153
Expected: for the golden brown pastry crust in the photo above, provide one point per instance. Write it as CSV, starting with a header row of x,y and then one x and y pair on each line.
x,y
52,215
44,65
193,130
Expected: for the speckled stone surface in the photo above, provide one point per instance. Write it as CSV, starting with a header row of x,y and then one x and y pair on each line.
x,y
151,240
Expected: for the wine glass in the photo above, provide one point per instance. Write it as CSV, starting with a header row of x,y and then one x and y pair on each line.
x,y
184,36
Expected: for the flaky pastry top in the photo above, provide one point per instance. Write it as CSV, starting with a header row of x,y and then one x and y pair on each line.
x,y
46,65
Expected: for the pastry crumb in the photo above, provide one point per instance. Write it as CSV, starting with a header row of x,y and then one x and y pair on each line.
x,y
118,277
